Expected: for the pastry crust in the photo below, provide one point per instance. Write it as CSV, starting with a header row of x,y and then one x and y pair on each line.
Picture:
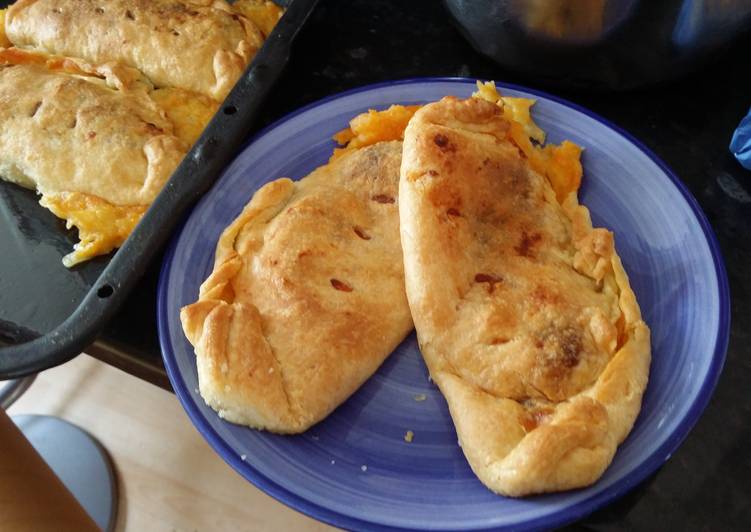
x,y
198,45
306,298
523,311
89,139
70,133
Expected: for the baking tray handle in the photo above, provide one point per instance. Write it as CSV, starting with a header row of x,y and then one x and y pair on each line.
x,y
216,148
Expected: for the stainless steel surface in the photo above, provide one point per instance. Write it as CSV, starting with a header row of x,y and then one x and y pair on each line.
x,y
615,44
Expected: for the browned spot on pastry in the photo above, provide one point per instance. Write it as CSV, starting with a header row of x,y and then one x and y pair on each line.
x,y
544,296
532,419
339,285
359,231
499,340
91,134
562,348
445,198
153,128
304,253
34,110
521,152
527,242
432,173
491,279
620,326
383,198
73,123
99,11
129,15
442,141
571,347
453,212
175,33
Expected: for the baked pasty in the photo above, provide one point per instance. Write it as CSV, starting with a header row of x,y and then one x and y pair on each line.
x,y
190,54
306,298
197,45
89,139
523,311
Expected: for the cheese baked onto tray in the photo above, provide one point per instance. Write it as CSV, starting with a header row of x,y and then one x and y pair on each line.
x,y
198,45
306,298
523,311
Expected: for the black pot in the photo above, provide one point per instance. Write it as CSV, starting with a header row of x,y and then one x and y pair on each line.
x,y
602,44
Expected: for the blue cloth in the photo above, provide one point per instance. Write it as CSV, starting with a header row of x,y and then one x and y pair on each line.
x,y
740,145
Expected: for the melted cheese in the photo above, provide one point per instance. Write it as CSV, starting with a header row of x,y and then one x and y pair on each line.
x,y
102,226
560,164
263,13
188,111
374,126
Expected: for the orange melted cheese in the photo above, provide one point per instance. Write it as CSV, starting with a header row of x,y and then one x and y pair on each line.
x,y
263,13
188,111
560,164
374,126
102,226
17,56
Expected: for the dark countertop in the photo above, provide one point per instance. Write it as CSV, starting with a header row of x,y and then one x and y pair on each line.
x,y
688,123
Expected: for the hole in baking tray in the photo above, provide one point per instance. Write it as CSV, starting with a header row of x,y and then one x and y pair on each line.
x,y
230,110
105,291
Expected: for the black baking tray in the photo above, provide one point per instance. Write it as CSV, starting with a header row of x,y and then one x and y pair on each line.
x,y
48,313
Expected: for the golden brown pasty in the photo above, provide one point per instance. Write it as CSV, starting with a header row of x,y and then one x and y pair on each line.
x,y
197,45
524,314
89,139
306,298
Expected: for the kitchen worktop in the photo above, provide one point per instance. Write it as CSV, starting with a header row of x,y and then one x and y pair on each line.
x,y
688,123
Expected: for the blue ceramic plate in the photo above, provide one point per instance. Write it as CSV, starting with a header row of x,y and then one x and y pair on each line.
x,y
354,469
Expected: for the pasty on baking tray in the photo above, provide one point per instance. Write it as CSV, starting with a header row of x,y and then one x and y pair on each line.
x,y
198,45
523,311
176,91
89,139
306,298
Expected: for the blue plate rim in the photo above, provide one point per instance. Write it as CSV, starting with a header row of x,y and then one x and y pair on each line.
x,y
578,511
